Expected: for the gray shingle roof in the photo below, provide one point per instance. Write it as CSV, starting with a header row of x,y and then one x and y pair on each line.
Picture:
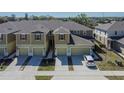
x,y
31,25
76,40
61,30
113,26
121,40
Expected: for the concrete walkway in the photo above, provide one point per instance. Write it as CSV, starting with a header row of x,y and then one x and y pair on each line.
x,y
12,66
93,75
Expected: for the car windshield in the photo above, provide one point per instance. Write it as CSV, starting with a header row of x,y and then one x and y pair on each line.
x,y
90,60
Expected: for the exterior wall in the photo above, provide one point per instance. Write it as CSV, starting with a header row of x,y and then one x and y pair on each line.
x,y
4,39
119,47
66,41
112,33
31,44
11,38
11,47
33,41
1,51
11,43
102,37
18,41
88,33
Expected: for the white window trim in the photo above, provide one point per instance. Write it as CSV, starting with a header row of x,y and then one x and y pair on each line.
x,y
39,34
63,38
25,36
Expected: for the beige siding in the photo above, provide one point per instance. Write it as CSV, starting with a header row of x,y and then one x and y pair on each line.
x,y
57,41
10,38
23,51
11,47
61,51
1,51
80,51
4,39
33,41
22,41
38,51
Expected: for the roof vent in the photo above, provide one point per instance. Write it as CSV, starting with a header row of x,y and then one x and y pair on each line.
x,y
9,28
42,27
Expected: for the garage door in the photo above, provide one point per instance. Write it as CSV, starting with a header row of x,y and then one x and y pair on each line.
x,y
80,51
23,51
38,51
1,51
61,51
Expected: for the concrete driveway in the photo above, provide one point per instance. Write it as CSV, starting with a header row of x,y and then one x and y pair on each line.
x,y
79,64
61,63
21,60
33,63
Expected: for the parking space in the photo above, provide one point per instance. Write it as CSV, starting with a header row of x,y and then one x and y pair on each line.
x,y
61,63
21,60
80,65
33,63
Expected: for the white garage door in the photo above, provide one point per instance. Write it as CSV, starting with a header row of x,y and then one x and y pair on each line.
x,y
1,51
37,51
23,51
61,51
80,51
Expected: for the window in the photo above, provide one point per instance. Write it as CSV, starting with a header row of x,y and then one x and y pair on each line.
x,y
1,36
37,36
23,37
61,37
115,32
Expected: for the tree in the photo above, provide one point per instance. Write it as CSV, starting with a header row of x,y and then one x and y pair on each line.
x,y
26,16
83,19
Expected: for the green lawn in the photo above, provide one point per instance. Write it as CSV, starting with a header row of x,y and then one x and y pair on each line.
x,y
115,77
43,77
109,57
47,65
108,62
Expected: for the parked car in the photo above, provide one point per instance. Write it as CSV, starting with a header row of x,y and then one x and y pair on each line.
x,y
89,61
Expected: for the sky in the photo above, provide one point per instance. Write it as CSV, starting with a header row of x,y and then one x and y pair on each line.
x,y
65,14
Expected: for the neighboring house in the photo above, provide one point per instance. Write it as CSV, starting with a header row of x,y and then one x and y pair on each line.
x,y
119,45
39,38
7,39
109,32
69,44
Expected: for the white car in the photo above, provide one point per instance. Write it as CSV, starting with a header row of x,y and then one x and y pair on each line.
x,y
89,61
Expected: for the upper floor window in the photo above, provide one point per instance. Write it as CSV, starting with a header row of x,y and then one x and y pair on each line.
x,y
115,32
23,37
1,36
37,36
61,37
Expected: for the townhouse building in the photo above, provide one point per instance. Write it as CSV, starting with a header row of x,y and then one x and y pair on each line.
x,y
38,38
